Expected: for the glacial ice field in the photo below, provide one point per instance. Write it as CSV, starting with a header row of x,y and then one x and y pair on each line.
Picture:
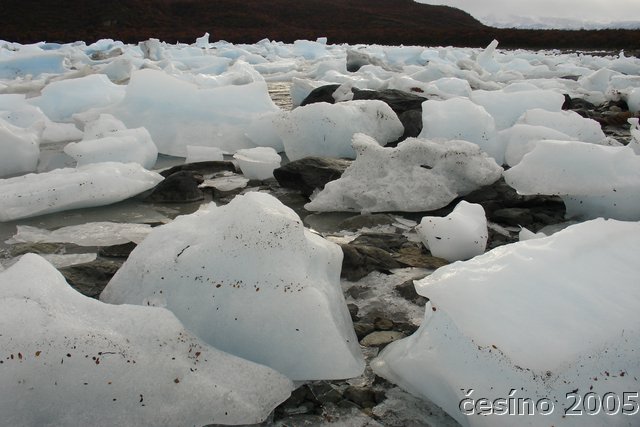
x,y
317,234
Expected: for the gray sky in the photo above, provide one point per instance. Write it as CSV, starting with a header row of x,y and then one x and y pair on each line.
x,y
599,11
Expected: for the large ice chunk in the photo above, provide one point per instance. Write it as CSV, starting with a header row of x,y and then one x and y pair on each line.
x,y
31,64
322,129
177,113
96,184
70,360
89,234
522,138
506,106
568,122
258,163
501,327
61,99
417,175
593,180
460,235
459,118
257,284
20,150
125,146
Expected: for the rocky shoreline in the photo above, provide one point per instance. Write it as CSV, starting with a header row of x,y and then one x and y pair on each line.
x,y
382,257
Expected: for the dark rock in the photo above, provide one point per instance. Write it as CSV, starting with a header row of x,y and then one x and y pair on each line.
x,y
576,104
202,168
91,278
399,100
353,311
117,251
385,241
310,173
361,396
381,338
22,248
365,220
324,392
358,292
383,324
415,256
412,122
407,290
179,187
363,329
359,261
321,94
513,216
357,59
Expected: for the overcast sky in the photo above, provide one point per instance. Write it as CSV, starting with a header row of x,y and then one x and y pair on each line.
x,y
600,11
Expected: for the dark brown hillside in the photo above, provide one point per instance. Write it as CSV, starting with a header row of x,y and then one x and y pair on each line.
x,y
342,21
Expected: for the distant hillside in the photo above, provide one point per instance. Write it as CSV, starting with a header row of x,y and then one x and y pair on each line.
x,y
248,21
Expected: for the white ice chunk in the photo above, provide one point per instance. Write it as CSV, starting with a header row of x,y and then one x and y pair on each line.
x,y
103,125
96,184
460,118
31,64
567,122
460,235
89,234
633,100
125,146
506,107
226,182
500,323
71,360
19,150
177,113
522,138
417,175
257,284
526,234
263,133
593,180
635,135
258,163
322,129
61,99
203,42
197,153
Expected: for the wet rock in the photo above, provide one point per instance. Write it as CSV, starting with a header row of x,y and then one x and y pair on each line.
x,y
179,187
407,290
324,392
117,251
310,173
363,329
202,168
358,292
399,101
381,338
385,241
412,122
357,59
414,255
383,324
321,94
513,216
353,311
365,220
18,249
359,261
91,278
361,396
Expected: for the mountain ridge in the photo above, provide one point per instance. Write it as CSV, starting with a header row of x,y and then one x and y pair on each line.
x,y
354,21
